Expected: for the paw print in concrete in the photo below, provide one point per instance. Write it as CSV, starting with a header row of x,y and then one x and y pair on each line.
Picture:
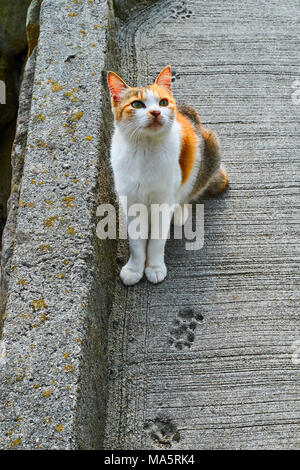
x,y
174,76
182,334
162,432
180,10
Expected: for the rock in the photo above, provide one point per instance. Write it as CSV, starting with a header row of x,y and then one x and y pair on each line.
x,y
33,25
12,26
17,162
51,253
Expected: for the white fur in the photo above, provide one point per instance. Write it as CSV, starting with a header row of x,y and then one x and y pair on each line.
x,y
146,170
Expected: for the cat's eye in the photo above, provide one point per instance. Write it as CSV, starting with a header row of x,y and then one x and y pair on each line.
x,y
138,104
163,102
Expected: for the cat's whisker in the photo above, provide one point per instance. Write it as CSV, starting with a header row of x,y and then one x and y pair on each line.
x,y
135,134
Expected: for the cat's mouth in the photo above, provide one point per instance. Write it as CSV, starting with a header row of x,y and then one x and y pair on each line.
x,y
154,124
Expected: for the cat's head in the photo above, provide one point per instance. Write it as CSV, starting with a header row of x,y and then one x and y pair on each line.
x,y
143,111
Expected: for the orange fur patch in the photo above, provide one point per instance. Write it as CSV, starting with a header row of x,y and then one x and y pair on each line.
x,y
162,92
123,109
189,141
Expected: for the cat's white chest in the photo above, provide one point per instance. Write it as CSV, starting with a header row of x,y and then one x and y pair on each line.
x,y
146,173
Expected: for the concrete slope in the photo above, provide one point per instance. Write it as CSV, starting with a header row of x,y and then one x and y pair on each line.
x,y
205,360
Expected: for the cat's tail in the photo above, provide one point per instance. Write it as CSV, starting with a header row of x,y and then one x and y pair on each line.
x,y
211,176
218,182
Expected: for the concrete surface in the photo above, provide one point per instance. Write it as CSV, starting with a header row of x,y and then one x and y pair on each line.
x,y
205,359
57,277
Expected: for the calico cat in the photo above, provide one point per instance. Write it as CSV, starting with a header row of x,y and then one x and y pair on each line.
x,y
160,153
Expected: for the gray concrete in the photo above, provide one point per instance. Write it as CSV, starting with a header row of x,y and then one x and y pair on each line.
x,y
203,360
230,382
57,277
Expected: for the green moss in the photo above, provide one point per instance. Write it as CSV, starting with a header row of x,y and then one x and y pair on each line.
x,y
40,143
49,221
39,118
44,248
59,427
77,116
17,442
68,201
38,305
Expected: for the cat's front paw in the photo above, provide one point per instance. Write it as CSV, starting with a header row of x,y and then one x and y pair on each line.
x,y
156,273
130,276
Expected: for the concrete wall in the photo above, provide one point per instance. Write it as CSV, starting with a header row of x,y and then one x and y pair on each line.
x,y
56,276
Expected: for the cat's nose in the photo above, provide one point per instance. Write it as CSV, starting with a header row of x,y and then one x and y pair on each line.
x,y
155,113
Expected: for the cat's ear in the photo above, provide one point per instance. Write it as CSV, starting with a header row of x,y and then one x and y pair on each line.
x,y
164,78
116,86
